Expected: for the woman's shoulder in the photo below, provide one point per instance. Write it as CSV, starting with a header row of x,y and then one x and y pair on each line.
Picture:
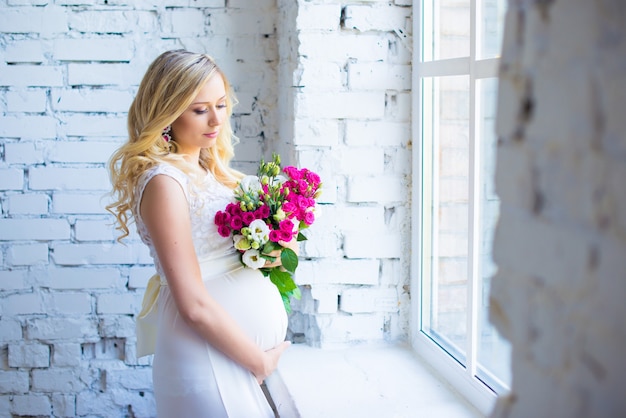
x,y
166,169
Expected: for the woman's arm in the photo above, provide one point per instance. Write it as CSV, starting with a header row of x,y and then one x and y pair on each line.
x,y
165,212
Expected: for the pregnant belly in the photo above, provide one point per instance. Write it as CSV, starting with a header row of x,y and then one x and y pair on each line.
x,y
254,303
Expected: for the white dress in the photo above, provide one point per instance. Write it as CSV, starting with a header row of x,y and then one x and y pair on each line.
x,y
191,378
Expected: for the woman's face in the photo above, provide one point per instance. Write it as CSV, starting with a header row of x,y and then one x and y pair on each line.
x,y
201,122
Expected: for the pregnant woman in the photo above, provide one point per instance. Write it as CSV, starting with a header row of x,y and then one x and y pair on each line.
x,y
217,329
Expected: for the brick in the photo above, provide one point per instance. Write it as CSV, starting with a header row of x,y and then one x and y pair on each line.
x,y
248,21
26,101
63,405
65,178
94,230
59,328
103,21
34,229
361,161
27,51
28,127
132,379
57,380
110,50
28,204
341,47
379,76
377,17
138,277
326,299
340,330
23,304
78,203
383,133
31,76
28,255
318,76
398,106
342,271
13,382
119,303
356,218
380,189
81,152
91,100
66,355
95,74
45,20
29,355
184,22
364,300
11,179
13,280
82,278
68,303
342,105
318,17
85,254
94,125
89,403
119,326
368,245
23,152
310,132
10,329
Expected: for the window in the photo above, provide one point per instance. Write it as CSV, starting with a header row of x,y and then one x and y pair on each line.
x,y
455,206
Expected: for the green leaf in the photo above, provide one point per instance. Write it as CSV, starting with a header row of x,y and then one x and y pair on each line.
x,y
301,237
270,246
283,280
289,259
296,293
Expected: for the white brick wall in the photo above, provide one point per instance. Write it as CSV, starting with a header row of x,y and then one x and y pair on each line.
x,y
328,89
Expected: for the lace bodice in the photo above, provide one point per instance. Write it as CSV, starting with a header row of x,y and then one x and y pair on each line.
x,y
204,200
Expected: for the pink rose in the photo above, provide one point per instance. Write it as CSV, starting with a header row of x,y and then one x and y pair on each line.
x,y
247,217
223,230
293,172
274,235
309,218
286,225
236,222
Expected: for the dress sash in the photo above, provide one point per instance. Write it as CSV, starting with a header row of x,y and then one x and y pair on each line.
x,y
147,320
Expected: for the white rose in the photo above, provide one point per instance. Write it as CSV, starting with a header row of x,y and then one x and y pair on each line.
x,y
253,259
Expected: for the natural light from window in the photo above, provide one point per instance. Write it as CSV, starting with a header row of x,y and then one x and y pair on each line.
x,y
455,200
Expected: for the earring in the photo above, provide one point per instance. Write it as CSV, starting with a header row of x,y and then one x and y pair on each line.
x,y
167,137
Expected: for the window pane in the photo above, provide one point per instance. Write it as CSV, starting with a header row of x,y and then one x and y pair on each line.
x,y
492,27
493,352
446,29
445,200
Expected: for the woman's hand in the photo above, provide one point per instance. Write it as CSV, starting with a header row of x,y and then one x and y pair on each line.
x,y
271,361
292,245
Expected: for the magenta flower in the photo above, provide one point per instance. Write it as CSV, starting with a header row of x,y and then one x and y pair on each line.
x,y
223,230
236,222
248,217
274,235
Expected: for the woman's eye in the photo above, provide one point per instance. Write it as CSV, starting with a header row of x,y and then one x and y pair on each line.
x,y
221,106
200,111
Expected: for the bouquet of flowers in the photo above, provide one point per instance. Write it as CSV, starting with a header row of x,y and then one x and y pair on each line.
x,y
269,211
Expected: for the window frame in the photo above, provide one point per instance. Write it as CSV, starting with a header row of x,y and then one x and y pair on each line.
x,y
462,378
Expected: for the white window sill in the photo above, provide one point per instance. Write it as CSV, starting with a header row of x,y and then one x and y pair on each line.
x,y
381,381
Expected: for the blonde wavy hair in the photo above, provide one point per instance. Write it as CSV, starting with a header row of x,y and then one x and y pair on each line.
x,y
168,88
